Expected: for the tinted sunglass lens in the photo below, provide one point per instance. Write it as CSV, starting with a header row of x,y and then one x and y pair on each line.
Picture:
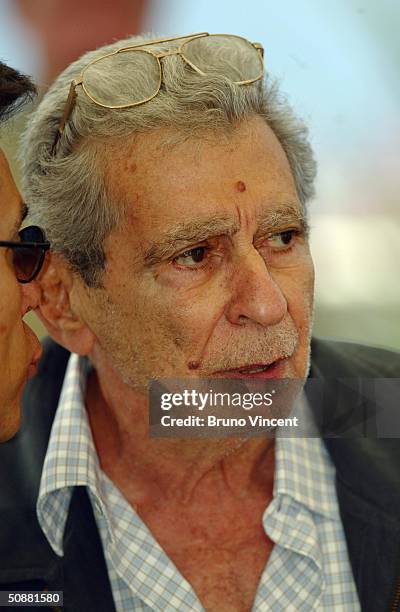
x,y
26,263
32,234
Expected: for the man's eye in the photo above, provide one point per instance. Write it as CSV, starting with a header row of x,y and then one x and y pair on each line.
x,y
283,239
192,257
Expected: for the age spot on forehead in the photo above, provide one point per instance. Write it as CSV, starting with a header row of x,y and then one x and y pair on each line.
x,y
240,186
129,166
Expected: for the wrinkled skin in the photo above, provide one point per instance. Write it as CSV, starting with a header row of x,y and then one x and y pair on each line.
x,y
245,302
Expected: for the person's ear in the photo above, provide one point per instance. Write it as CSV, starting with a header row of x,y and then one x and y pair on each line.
x,y
64,324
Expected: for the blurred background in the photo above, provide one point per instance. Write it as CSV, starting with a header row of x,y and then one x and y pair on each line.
x,y
338,61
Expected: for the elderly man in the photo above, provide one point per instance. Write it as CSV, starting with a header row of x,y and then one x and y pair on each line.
x,y
172,183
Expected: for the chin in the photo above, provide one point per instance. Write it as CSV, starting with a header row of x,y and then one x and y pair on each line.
x,y
8,431
10,420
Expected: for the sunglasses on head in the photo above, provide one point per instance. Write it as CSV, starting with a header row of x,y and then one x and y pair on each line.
x,y
29,253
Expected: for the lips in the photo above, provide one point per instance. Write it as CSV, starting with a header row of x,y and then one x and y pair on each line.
x,y
273,369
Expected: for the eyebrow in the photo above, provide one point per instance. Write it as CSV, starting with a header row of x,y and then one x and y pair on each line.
x,y
199,230
282,217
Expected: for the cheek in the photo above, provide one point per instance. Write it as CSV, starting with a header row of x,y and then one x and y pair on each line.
x,y
298,288
10,307
197,312
13,341
297,285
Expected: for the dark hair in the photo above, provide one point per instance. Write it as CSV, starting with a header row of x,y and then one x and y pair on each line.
x,y
15,90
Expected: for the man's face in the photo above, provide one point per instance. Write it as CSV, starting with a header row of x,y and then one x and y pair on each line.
x,y
19,348
211,272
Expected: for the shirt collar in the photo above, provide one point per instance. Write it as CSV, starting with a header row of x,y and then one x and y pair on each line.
x,y
71,458
305,472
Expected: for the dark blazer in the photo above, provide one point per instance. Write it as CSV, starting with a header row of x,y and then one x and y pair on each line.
x,y
368,483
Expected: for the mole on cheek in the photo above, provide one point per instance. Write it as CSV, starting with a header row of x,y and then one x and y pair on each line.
x,y
193,365
240,186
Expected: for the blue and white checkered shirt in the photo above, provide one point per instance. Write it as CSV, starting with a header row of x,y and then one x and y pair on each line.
x,y
308,568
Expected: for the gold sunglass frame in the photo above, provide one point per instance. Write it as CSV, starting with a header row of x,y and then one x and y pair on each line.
x,y
70,103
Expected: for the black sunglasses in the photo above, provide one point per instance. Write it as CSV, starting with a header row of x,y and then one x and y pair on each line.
x,y
28,255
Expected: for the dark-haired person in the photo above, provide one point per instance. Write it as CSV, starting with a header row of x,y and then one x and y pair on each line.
x,y
19,263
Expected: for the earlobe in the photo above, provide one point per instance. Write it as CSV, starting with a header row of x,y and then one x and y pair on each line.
x,y
64,325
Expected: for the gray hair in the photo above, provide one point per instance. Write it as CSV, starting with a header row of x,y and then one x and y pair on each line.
x,y
67,191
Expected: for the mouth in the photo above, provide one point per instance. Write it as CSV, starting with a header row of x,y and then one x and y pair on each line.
x,y
274,369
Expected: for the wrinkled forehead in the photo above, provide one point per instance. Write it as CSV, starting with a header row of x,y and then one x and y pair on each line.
x,y
201,188
160,167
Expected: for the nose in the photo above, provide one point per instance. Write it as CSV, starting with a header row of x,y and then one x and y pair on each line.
x,y
255,295
30,297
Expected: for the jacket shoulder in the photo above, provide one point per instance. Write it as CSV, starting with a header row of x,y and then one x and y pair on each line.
x,y
359,413
23,546
332,358
366,457
21,458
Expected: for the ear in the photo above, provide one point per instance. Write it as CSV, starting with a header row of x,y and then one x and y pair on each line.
x,y
64,324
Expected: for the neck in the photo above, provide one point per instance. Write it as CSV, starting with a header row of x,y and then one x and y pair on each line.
x,y
182,469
